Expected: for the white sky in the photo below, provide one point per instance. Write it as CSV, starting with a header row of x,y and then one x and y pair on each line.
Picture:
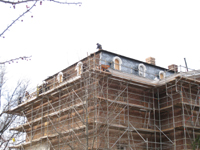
x,y
59,35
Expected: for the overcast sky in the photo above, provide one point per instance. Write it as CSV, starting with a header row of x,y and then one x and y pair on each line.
x,y
59,35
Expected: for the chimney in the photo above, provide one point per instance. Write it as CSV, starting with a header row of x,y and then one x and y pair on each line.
x,y
173,67
151,60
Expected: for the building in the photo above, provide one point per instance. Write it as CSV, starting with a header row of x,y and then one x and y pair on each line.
x,y
111,102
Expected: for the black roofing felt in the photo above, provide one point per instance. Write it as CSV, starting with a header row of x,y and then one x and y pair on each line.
x,y
99,51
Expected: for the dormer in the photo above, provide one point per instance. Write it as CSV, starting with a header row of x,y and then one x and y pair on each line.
x,y
79,68
117,63
142,70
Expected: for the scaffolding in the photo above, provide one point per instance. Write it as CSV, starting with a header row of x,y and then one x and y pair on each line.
x,y
103,109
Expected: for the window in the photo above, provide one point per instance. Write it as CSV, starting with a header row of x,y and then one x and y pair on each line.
x,y
60,77
79,68
161,75
142,70
117,63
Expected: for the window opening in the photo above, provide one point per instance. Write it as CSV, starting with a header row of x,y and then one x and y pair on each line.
x,y
161,75
79,68
60,77
142,70
117,63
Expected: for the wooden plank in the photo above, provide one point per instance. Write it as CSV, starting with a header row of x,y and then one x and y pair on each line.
x,y
135,106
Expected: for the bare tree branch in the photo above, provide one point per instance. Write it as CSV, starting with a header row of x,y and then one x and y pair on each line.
x,y
26,1
15,3
15,59
28,10
76,3
8,120
2,82
18,18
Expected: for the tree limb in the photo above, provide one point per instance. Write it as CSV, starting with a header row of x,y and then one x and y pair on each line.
x,y
11,60
25,1
15,3
18,18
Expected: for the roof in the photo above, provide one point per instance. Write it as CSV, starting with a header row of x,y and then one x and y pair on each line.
x,y
99,51
136,60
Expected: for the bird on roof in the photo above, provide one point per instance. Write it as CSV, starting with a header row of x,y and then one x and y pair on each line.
x,y
99,46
